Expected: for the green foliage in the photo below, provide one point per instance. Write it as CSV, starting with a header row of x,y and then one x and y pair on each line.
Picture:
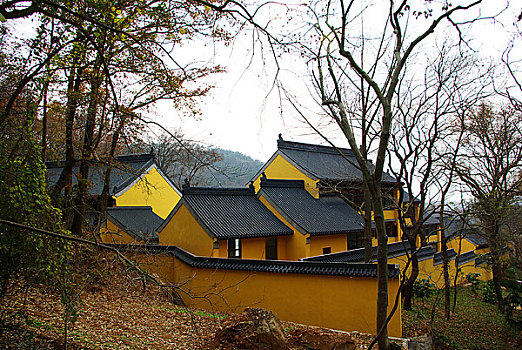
x,y
513,288
473,279
423,288
488,293
33,256
475,324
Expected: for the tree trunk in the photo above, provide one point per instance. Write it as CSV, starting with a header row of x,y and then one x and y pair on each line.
x,y
65,179
455,280
368,235
491,226
496,268
445,263
87,149
44,119
408,286
382,268
106,183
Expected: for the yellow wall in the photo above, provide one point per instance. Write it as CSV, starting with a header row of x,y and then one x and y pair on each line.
x,y
465,244
280,168
253,248
338,243
151,190
222,251
292,247
343,303
113,234
435,272
184,231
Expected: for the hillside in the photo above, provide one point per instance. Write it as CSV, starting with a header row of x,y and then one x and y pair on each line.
x,y
120,312
235,170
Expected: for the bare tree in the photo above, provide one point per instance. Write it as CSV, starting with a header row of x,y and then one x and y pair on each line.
x,y
489,165
424,136
336,63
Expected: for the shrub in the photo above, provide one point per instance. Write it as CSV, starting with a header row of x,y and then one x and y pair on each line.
x,y
423,288
34,257
488,293
473,279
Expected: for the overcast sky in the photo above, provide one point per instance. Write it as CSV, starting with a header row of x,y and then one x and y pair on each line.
x,y
245,112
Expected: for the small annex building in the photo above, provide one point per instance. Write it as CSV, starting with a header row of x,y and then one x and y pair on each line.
x,y
321,225
125,225
136,180
224,222
461,235
325,170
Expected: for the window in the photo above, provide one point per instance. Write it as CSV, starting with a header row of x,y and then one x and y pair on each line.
x,y
234,248
355,240
391,229
327,250
271,248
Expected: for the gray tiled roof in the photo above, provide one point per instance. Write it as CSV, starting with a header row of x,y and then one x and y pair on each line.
x,y
482,259
228,213
125,170
476,239
357,255
406,197
273,266
466,257
327,215
437,258
456,227
139,222
432,220
323,162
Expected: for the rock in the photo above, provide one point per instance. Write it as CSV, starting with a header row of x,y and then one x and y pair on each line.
x,y
421,343
321,339
253,329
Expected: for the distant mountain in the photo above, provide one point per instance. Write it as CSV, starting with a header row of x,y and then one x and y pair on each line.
x,y
235,170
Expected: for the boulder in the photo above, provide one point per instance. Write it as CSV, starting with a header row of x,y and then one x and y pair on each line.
x,y
253,329
321,339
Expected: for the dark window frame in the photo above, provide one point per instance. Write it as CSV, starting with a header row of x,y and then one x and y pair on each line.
x,y
391,229
355,240
271,248
234,248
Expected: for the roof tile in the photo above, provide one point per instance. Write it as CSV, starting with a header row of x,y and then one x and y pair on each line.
x,y
140,222
233,213
324,162
273,266
327,215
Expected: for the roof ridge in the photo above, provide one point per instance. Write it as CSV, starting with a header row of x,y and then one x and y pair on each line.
x,y
231,191
131,207
266,182
128,158
300,146
275,266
